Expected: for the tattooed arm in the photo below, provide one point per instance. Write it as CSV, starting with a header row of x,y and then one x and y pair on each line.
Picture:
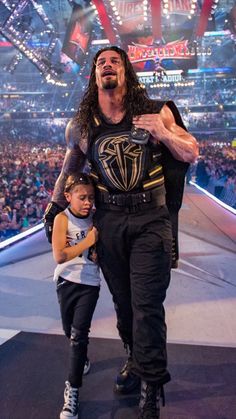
x,y
163,127
73,163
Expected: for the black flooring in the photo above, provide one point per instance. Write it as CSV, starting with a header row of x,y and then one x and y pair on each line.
x,y
33,368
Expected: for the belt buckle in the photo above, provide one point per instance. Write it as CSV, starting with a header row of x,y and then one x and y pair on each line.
x,y
129,200
132,200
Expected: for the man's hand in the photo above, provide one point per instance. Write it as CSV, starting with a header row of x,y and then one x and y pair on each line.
x,y
92,254
152,123
50,213
163,127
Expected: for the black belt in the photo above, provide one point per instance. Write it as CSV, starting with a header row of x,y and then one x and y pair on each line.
x,y
130,200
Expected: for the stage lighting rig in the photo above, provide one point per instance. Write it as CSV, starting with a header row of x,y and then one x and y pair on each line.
x,y
10,68
12,30
26,35
9,4
108,19
40,10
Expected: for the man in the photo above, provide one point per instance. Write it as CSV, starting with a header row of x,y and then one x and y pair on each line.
x,y
135,233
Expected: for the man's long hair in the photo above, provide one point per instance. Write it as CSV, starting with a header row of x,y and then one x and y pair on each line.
x,y
134,100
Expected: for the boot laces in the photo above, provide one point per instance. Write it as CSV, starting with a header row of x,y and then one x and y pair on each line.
x,y
151,401
150,398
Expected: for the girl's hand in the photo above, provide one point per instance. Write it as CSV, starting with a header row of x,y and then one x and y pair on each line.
x,y
92,236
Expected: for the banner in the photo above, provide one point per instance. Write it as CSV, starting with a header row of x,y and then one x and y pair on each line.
x,y
78,34
174,55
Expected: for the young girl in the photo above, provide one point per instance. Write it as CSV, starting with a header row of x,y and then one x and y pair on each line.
x,y
78,280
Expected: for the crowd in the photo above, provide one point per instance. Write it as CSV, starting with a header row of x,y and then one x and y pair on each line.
x,y
35,131
31,154
28,171
210,120
209,92
215,171
204,92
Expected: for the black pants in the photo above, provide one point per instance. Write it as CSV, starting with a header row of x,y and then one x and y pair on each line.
x,y
134,251
77,305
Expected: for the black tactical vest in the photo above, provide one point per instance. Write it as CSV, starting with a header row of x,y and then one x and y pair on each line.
x,y
119,166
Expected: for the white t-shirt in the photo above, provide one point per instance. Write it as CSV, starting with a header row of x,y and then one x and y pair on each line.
x,y
80,269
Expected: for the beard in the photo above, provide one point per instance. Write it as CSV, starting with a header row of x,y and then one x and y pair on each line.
x,y
109,84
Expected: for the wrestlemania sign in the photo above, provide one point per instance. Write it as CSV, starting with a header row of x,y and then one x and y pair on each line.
x,y
174,55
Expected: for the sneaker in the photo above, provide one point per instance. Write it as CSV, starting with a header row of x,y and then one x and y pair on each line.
x,y
126,381
71,402
87,367
149,405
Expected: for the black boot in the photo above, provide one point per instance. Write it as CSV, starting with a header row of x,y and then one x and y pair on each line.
x,y
149,404
126,381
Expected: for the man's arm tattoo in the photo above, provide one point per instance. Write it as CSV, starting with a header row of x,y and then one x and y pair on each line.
x,y
73,163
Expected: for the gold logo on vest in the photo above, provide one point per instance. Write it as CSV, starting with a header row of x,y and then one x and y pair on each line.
x,y
121,162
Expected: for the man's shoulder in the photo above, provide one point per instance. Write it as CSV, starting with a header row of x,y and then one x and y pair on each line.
x,y
175,112
74,140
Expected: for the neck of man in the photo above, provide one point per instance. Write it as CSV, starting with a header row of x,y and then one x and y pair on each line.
x,y
111,104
